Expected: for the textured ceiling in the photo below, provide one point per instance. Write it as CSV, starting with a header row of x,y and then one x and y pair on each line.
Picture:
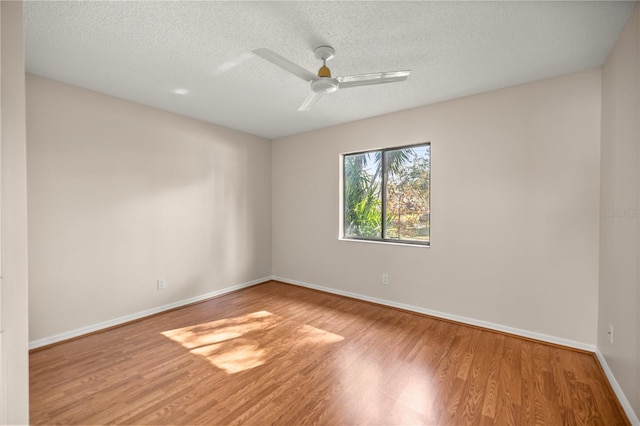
x,y
145,51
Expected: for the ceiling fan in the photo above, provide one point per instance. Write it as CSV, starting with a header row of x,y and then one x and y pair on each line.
x,y
323,83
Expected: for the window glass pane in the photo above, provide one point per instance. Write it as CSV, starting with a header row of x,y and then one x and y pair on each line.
x,y
407,193
362,199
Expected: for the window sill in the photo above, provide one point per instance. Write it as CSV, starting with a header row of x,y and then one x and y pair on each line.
x,y
386,243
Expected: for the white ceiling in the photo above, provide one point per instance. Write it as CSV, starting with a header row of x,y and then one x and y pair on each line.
x,y
144,51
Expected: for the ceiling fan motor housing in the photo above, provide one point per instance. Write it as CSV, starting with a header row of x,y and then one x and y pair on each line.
x,y
324,85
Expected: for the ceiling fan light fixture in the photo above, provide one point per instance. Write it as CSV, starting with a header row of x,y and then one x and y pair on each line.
x,y
324,71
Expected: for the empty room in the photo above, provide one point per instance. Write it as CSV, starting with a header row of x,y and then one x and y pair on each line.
x,y
389,213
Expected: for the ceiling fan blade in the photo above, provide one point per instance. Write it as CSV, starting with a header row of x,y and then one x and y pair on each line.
x,y
310,101
373,78
283,62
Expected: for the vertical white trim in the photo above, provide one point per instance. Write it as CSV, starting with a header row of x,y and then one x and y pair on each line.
x,y
14,299
3,393
637,422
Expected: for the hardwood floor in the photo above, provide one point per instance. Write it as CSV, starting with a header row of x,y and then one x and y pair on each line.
x,y
281,354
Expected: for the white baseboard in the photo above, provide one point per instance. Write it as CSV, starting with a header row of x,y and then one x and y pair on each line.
x,y
633,418
34,344
465,320
492,326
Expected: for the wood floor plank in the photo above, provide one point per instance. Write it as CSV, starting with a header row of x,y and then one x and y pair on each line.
x,y
281,354
490,403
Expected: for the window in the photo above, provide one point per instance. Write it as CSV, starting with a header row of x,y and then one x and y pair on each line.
x,y
386,194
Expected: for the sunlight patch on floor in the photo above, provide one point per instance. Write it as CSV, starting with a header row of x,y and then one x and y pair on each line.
x,y
248,341
213,332
232,357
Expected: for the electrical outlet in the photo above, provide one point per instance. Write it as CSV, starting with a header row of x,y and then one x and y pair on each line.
x,y
610,333
385,279
162,283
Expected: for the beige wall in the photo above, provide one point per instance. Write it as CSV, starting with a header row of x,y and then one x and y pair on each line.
x,y
121,194
514,203
619,294
14,361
